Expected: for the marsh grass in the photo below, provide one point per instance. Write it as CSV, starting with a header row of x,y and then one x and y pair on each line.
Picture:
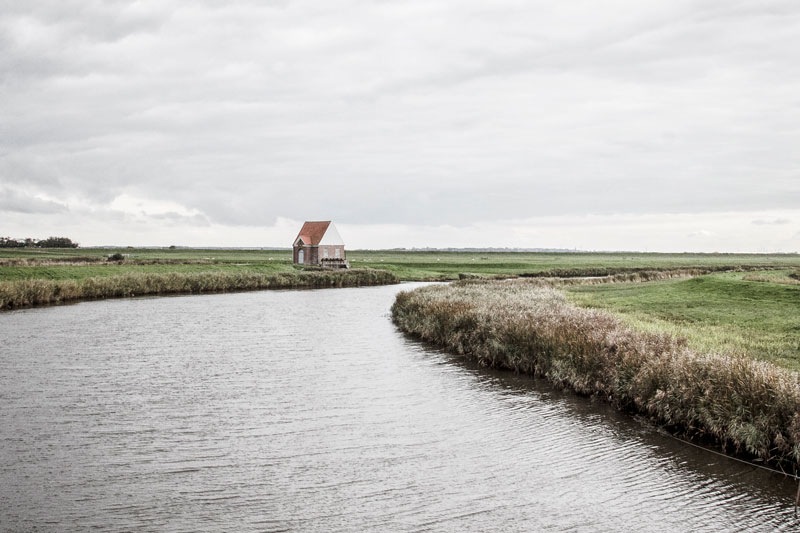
x,y
38,261
779,276
27,292
642,273
583,277
420,265
117,258
437,265
748,406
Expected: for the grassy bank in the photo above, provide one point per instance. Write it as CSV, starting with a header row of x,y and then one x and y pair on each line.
x,y
26,292
752,314
748,406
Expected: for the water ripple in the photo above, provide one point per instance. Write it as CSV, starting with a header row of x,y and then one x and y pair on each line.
x,y
307,410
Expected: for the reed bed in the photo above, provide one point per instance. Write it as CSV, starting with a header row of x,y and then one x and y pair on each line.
x,y
637,276
47,261
643,273
787,279
622,277
596,276
27,292
747,406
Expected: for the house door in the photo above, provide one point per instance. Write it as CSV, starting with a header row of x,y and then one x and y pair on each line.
x,y
300,255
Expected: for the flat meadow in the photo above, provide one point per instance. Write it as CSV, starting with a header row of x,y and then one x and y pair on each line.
x,y
407,265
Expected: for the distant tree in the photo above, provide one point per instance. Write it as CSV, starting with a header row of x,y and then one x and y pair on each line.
x,y
8,242
28,242
171,246
56,242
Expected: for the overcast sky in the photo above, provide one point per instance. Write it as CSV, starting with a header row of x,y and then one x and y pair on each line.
x,y
648,125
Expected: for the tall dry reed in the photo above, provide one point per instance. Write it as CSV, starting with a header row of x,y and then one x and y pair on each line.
x,y
645,273
790,279
49,261
747,406
21,293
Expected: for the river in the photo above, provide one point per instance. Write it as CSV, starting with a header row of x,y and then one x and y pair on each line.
x,y
309,411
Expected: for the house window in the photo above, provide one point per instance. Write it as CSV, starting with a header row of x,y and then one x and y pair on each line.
x,y
325,253
338,253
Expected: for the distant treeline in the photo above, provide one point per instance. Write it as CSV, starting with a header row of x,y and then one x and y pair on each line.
x,y
50,242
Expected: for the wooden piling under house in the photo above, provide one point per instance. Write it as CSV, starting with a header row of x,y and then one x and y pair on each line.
x,y
320,244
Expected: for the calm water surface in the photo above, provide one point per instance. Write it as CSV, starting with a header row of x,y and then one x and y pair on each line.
x,y
309,411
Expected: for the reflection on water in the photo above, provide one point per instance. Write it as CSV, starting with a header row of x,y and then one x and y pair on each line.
x,y
308,410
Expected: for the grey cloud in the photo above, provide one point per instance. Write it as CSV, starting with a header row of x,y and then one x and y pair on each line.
x,y
771,222
43,40
174,219
416,112
14,201
96,20
29,170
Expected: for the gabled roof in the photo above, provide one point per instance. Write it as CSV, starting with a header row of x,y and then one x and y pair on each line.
x,y
312,232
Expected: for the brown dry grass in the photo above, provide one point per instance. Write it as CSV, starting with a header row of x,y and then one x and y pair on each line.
x,y
27,292
747,406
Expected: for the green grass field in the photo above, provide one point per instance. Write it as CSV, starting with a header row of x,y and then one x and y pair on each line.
x,y
186,254
408,266
448,265
77,272
724,313
181,261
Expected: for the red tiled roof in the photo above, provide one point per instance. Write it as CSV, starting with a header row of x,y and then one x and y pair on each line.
x,y
312,232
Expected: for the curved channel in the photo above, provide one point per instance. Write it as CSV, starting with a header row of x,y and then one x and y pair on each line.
x,y
309,411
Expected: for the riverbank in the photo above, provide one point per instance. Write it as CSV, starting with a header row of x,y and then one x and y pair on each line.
x,y
746,406
133,271
28,292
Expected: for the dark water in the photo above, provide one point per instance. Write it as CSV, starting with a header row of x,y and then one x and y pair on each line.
x,y
308,411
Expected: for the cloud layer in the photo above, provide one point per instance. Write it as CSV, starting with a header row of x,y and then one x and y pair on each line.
x,y
424,113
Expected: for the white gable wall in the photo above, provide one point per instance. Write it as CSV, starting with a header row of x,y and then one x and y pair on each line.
x,y
331,237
